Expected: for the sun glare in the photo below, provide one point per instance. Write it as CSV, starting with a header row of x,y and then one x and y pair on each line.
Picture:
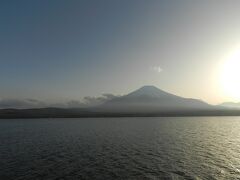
x,y
230,76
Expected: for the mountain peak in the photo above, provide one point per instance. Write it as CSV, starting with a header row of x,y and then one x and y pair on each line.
x,y
149,87
149,90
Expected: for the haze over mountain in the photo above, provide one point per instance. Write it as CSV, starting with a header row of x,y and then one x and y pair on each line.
x,y
87,101
152,99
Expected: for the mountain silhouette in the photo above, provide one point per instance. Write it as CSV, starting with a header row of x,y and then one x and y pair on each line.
x,y
144,102
152,99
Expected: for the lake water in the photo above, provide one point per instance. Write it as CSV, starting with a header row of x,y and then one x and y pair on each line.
x,y
120,148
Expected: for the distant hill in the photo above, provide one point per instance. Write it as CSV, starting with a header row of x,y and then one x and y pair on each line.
x,y
152,99
230,105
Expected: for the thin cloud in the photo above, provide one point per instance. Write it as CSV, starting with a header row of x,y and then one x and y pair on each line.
x,y
21,103
157,69
87,101
94,101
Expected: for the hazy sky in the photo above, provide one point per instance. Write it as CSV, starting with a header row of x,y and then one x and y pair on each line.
x,y
56,50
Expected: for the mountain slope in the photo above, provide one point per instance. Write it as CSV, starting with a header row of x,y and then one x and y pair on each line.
x,y
152,99
230,105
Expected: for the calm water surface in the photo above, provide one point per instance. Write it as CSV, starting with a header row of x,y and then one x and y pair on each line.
x,y
120,148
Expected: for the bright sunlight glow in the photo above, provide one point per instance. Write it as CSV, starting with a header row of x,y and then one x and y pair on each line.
x,y
230,76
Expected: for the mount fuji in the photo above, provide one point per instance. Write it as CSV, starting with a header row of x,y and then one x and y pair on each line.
x,y
152,99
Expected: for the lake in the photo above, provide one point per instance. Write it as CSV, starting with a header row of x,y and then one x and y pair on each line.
x,y
120,148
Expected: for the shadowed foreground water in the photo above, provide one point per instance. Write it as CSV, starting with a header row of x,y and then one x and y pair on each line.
x,y
120,148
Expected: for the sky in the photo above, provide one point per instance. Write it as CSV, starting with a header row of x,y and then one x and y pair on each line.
x,y
58,50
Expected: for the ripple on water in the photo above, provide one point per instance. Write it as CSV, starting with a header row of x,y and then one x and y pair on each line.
x,y
121,148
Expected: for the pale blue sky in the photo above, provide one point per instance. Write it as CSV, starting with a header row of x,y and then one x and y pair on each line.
x,y
61,50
